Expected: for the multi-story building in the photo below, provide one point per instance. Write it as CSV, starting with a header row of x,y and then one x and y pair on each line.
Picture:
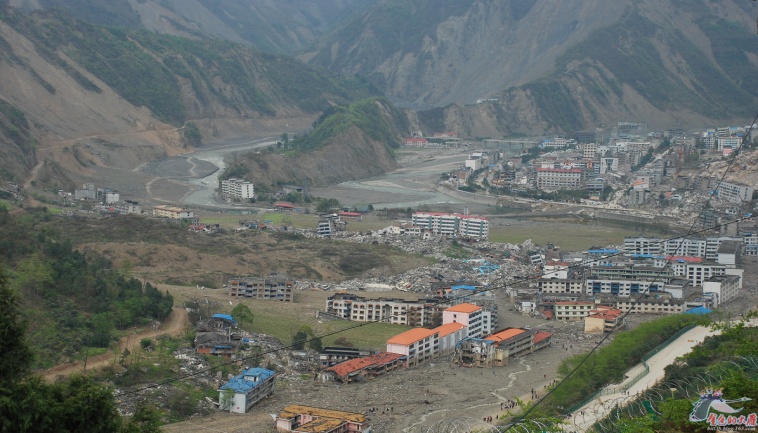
x,y
454,225
706,247
128,207
724,288
643,245
326,228
237,188
334,355
573,310
469,315
277,286
551,179
417,345
632,272
608,165
557,285
396,311
735,192
651,305
164,211
247,388
450,335
618,287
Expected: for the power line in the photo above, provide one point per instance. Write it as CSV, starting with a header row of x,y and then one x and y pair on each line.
x,y
644,292
516,281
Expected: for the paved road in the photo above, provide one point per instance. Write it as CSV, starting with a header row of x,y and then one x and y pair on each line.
x,y
599,408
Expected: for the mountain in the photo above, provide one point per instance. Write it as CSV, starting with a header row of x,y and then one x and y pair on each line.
x,y
555,66
275,26
347,143
75,95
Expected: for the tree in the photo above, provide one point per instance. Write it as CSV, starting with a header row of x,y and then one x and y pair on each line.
x,y
316,344
27,404
15,354
243,314
298,341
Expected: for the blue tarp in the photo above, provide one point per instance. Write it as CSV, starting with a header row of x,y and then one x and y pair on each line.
x,y
463,287
225,317
241,385
699,311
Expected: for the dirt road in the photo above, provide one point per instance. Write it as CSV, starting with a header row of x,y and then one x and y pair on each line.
x,y
174,325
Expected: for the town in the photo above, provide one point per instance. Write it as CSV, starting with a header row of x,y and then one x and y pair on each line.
x,y
459,303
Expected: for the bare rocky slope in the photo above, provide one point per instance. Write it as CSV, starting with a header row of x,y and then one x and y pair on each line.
x,y
555,66
76,97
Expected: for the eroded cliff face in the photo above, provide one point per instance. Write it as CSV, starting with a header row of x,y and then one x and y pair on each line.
x,y
350,155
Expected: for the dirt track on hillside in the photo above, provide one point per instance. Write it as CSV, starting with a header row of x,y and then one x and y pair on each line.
x,y
174,325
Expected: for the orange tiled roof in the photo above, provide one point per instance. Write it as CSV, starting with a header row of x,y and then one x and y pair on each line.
x,y
349,366
409,337
542,335
505,334
463,308
449,328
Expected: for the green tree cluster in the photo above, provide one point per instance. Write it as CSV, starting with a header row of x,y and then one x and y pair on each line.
x,y
78,404
77,301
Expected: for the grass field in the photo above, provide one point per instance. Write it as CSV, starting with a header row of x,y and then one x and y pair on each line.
x,y
568,236
297,220
282,320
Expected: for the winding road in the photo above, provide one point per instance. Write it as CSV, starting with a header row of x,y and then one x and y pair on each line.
x,y
174,325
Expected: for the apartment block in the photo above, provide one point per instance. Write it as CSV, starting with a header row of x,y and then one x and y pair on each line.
x,y
556,285
417,345
397,311
651,305
237,188
453,224
630,287
551,179
573,310
735,192
277,286
724,288
643,245
164,211
468,315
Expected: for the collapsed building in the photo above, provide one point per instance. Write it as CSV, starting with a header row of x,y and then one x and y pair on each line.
x,y
496,349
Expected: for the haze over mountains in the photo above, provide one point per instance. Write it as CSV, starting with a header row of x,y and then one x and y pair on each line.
x,y
546,67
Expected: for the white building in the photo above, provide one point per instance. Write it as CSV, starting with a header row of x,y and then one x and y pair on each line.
x,y
573,310
466,314
163,211
550,179
724,287
128,207
418,344
608,165
446,224
246,389
735,192
237,188
450,335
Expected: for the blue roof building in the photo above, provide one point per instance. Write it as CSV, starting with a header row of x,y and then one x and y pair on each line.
x,y
245,389
226,317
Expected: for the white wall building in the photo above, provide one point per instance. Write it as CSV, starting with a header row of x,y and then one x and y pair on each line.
x,y
466,314
446,224
237,188
418,344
